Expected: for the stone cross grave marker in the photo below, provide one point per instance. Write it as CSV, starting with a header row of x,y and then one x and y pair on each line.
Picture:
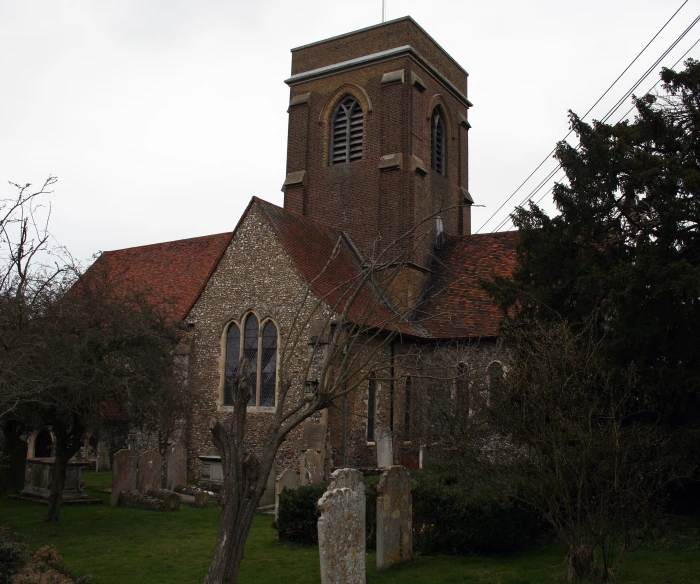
x,y
341,529
123,475
394,517
287,480
385,450
150,471
176,467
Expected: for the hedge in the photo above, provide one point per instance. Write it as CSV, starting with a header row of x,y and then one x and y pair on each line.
x,y
452,514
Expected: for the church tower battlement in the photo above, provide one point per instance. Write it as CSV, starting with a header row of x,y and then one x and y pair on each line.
x,y
378,140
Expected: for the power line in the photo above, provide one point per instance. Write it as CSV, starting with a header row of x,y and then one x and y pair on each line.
x,y
607,116
589,111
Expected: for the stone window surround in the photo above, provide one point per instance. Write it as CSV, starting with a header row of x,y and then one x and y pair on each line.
x,y
222,365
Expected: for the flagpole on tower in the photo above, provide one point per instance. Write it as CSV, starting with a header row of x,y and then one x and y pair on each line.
x,y
383,10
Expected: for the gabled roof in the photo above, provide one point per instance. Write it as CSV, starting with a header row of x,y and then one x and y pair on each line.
x,y
171,274
455,304
329,264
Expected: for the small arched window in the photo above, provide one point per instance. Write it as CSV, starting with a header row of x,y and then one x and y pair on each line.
x,y
371,406
233,351
437,141
347,130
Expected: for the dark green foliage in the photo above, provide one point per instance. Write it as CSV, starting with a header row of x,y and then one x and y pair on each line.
x,y
14,555
298,514
451,514
458,514
624,250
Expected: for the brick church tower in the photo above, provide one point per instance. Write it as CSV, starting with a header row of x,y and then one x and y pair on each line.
x,y
378,142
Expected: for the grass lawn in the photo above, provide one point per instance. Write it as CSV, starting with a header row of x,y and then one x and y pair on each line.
x,y
127,546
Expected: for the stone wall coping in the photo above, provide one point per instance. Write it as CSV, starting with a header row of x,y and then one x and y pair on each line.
x,y
406,50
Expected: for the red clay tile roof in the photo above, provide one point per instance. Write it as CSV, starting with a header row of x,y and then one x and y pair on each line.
x,y
172,273
327,262
456,306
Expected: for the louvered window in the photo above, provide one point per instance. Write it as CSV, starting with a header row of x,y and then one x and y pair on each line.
x,y
371,406
437,141
233,350
346,135
268,367
250,352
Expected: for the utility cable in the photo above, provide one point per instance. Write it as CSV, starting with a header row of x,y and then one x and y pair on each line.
x,y
584,116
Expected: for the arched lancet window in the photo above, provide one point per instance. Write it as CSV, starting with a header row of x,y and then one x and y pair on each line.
x,y
233,355
258,344
250,352
407,412
437,141
347,130
495,373
268,366
371,406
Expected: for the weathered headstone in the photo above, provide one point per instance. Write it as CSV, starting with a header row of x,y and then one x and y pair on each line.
x,y
287,480
150,471
311,467
341,529
385,449
102,456
394,517
123,475
176,466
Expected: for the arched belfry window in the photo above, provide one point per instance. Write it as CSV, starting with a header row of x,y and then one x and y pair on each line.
x,y
346,134
233,350
437,141
257,342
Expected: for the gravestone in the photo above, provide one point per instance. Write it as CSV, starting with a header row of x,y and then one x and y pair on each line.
x,y
268,497
341,529
385,450
287,480
102,456
40,478
176,467
311,466
123,475
150,471
394,517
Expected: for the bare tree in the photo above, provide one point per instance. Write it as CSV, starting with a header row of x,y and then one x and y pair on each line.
x,y
353,325
577,434
74,349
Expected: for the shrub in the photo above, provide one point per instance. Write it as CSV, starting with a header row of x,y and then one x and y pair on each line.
x,y
458,514
452,513
14,556
297,514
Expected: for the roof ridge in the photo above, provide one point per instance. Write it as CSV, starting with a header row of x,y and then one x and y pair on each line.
x,y
167,242
330,229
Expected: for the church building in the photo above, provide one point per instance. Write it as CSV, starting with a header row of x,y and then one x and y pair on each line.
x,y
377,176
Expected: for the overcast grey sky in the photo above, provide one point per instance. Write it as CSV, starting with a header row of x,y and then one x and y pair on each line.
x,y
161,118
